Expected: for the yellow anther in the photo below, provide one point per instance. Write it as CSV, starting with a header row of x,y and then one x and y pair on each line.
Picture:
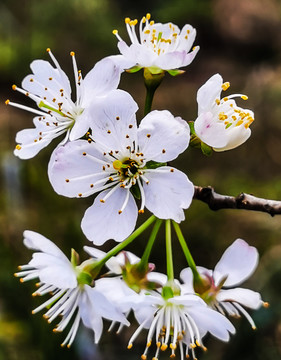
x,y
266,304
225,85
218,101
164,347
14,87
197,343
204,348
188,31
127,20
72,53
151,23
225,98
18,147
240,122
172,356
234,117
143,357
193,346
48,49
158,344
254,328
114,32
148,344
130,346
148,16
244,97
147,31
154,358
143,20
173,346
7,101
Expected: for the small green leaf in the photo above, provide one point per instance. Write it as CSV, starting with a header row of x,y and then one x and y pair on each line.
x,y
154,165
135,190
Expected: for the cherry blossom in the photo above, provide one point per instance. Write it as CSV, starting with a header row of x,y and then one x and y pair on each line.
x,y
178,322
159,46
58,114
236,265
71,288
123,160
221,124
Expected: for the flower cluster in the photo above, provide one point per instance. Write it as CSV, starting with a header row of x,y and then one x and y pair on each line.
x,y
126,165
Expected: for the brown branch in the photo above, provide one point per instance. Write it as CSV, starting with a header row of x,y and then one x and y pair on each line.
x,y
244,201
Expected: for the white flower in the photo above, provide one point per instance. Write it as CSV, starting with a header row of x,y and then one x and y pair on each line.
x,y
178,322
50,88
121,160
221,124
70,288
236,265
159,46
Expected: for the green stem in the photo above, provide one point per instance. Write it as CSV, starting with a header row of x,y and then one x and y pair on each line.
x,y
148,99
169,254
187,253
126,242
144,260
151,81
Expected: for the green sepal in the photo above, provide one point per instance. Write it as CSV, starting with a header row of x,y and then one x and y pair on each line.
x,y
154,165
134,69
167,292
84,278
74,258
175,72
153,70
195,142
206,149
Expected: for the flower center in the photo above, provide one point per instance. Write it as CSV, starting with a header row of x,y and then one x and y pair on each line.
x,y
127,169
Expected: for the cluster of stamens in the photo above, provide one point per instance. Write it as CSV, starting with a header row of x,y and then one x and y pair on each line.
x,y
229,113
171,325
152,35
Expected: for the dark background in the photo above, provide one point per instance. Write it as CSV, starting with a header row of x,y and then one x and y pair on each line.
x,y
240,40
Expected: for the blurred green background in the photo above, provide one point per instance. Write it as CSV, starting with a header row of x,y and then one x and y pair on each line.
x,y
240,40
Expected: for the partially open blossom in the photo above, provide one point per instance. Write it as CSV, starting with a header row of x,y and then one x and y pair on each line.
x,y
178,323
158,46
236,265
74,294
121,162
58,114
221,124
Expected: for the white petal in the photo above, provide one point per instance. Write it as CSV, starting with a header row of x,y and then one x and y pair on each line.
x,y
72,169
238,262
210,131
162,137
236,136
176,59
113,121
168,193
103,78
245,297
117,292
102,221
104,306
54,267
89,315
35,241
208,93
212,321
